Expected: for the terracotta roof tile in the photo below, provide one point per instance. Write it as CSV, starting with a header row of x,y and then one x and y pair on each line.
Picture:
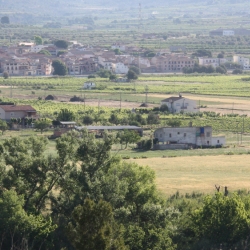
x,y
10,108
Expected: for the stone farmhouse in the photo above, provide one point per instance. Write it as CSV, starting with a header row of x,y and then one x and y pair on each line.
x,y
186,137
7,112
180,104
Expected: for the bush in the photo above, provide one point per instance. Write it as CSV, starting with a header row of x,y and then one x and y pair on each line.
x,y
237,71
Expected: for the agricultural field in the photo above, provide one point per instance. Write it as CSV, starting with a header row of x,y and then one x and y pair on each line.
x,y
200,173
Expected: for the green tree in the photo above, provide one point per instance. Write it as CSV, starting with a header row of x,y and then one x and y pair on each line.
x,y
174,122
114,119
220,55
20,230
38,40
117,52
131,75
65,115
3,126
42,124
128,136
5,75
112,77
94,227
221,70
221,219
153,118
5,20
135,69
237,71
202,53
59,68
44,52
104,73
88,120
61,44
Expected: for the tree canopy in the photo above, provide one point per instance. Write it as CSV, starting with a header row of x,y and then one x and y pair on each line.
x,y
5,20
61,44
59,68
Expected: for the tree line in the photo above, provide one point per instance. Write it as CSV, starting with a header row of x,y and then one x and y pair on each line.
x,y
84,197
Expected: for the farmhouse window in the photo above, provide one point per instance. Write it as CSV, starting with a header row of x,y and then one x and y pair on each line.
x,y
218,141
185,134
208,134
178,133
207,142
170,135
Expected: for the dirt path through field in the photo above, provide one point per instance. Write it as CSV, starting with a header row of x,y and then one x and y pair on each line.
x,y
228,100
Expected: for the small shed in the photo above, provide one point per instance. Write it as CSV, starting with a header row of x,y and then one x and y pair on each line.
x,y
89,85
62,127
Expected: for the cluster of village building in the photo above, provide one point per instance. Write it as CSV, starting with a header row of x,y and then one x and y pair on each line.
x,y
25,60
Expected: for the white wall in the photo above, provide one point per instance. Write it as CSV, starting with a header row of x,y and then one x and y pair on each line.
x,y
184,104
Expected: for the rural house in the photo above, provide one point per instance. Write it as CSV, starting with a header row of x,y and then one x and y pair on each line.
x,y
180,104
89,85
7,112
186,137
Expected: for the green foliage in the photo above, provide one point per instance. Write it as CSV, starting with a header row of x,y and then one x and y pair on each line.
x,y
42,124
5,75
153,118
174,122
61,44
65,115
128,136
135,69
164,108
131,75
117,52
202,53
94,227
44,52
221,219
19,228
38,40
237,71
59,68
3,126
88,120
104,73
5,20
112,77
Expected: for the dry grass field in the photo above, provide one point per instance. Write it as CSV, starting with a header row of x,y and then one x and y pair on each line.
x,y
200,173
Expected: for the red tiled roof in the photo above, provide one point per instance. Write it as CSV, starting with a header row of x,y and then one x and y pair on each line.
x,y
10,108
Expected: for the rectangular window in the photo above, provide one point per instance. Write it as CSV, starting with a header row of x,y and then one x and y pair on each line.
x,y
170,135
185,134
208,134
178,133
218,141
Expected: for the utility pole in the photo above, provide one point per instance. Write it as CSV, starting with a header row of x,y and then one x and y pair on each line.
x,y
146,92
84,102
98,104
120,101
